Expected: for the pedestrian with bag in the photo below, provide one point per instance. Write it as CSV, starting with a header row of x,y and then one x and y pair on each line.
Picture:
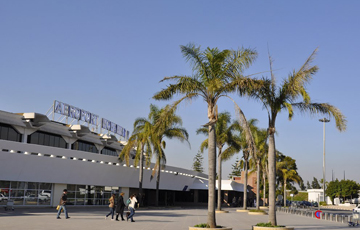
x,y
120,206
132,201
111,207
62,205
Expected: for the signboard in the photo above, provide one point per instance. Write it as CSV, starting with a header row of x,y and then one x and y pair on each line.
x,y
75,113
114,128
90,118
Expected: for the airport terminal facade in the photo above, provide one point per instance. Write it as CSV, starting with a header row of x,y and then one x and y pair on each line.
x,y
39,157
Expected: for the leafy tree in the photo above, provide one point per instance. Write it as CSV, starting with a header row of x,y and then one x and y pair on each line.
x,y
236,169
224,136
302,186
315,184
349,189
198,163
276,98
308,185
215,74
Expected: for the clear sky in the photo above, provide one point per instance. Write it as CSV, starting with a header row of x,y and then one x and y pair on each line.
x,y
108,57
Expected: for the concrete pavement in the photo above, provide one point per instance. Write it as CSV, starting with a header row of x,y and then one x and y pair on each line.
x,y
147,219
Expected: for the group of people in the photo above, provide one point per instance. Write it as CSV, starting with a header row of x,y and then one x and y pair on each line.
x,y
118,207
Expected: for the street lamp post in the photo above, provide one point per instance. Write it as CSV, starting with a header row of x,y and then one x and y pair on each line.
x,y
324,120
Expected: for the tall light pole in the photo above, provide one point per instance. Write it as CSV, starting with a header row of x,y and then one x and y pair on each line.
x,y
324,120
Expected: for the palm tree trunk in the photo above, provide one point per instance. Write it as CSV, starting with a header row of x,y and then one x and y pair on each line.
x,y
258,185
141,174
219,183
212,172
245,184
157,183
284,192
264,177
272,176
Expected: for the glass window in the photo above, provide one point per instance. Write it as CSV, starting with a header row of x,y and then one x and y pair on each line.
x,y
4,133
109,151
32,185
7,132
52,140
34,138
71,187
4,184
45,186
41,139
18,184
84,146
47,139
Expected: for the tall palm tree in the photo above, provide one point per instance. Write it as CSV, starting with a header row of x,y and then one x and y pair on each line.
x,y
140,141
215,74
166,125
276,98
288,171
224,136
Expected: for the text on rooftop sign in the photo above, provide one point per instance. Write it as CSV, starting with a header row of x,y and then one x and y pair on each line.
x,y
91,118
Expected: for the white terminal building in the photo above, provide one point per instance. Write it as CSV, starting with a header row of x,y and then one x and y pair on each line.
x,y
39,157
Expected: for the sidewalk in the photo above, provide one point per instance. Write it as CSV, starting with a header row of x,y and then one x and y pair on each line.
x,y
173,219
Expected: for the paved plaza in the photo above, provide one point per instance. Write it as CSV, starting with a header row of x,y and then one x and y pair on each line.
x,y
149,219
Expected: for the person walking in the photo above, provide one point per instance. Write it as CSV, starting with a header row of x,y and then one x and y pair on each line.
x,y
133,201
111,207
120,207
62,205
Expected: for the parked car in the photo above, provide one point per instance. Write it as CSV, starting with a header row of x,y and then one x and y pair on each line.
x,y
315,204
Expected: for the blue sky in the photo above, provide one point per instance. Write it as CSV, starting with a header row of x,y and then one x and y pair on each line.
x,y
108,57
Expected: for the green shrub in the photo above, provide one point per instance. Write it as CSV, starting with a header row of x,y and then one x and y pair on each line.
x,y
256,210
204,225
323,203
269,225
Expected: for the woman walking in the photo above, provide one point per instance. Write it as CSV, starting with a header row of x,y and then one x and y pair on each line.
x,y
111,207
120,207
133,200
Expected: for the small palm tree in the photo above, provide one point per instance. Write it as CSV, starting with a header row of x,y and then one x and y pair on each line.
x,y
140,141
224,133
276,98
288,171
260,140
166,125
215,74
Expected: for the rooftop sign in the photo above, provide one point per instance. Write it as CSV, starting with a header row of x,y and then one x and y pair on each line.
x,y
90,118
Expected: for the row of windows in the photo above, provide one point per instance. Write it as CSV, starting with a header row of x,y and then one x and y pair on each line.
x,y
9,133
25,193
84,146
41,138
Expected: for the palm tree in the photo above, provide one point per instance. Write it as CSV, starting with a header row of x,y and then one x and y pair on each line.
x,y
166,125
260,139
140,141
215,74
249,150
224,136
284,97
288,170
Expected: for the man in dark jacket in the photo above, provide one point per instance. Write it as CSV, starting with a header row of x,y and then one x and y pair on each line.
x,y
62,205
120,207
